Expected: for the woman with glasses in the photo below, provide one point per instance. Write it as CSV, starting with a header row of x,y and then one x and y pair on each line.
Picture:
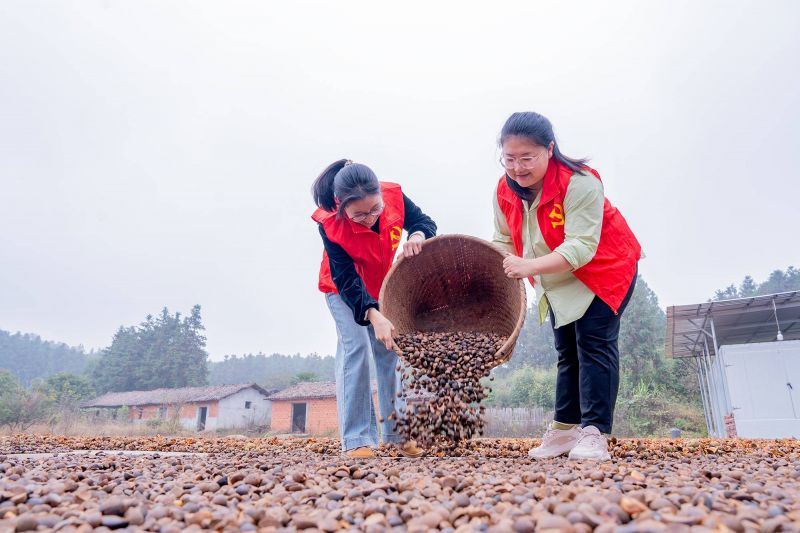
x,y
361,221
578,252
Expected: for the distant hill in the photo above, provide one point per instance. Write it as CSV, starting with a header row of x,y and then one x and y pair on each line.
x,y
29,357
274,371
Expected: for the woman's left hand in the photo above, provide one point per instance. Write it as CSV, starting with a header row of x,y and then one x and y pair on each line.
x,y
518,268
413,245
384,329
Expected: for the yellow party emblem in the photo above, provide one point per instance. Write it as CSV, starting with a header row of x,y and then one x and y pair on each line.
x,y
557,215
394,235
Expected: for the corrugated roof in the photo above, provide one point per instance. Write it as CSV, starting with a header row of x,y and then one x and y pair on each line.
x,y
736,321
170,396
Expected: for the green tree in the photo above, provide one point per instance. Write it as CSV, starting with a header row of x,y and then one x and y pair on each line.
x,y
641,336
21,408
535,346
748,287
304,376
163,352
30,358
69,390
728,293
525,387
8,381
9,388
274,371
778,281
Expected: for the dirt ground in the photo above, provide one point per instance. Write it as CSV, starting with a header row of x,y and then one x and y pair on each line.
x,y
241,484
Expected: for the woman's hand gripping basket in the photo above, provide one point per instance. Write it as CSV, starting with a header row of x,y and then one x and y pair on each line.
x,y
457,284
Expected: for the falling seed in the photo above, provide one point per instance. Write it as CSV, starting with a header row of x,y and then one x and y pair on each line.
x,y
446,369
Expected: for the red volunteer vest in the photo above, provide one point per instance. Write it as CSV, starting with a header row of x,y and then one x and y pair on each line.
x,y
611,270
371,252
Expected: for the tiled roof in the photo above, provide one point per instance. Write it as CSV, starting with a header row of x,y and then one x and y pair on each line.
x,y
170,396
317,390
310,390
307,390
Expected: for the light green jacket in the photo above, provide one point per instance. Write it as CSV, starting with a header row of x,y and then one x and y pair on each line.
x,y
565,294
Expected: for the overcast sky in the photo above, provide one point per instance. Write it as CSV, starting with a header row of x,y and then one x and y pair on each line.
x,y
157,153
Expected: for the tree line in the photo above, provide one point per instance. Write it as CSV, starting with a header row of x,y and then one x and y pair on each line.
x,y
169,350
274,371
163,351
30,358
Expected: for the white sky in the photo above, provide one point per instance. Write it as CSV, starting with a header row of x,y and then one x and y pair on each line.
x,y
160,153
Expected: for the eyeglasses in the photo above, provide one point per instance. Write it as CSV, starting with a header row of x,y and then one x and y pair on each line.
x,y
525,163
374,212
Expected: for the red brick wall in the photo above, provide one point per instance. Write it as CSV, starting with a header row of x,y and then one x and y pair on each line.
x,y
189,411
730,426
321,415
281,416
149,411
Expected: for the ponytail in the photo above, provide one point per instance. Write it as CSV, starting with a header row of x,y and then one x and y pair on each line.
x,y
322,190
344,182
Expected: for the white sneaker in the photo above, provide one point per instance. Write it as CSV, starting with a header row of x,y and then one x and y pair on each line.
x,y
556,442
592,446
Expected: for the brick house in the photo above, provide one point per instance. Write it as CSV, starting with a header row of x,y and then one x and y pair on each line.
x,y
308,407
198,408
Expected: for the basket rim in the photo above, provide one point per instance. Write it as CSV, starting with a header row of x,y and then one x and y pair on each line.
x,y
508,347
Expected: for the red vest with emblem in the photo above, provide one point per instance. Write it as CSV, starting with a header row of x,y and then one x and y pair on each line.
x,y
611,270
371,252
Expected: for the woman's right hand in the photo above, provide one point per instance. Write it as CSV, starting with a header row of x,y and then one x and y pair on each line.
x,y
384,329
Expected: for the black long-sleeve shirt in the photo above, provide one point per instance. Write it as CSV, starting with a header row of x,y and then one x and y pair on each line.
x,y
343,271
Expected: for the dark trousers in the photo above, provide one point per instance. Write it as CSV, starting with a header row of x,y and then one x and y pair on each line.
x,y
588,366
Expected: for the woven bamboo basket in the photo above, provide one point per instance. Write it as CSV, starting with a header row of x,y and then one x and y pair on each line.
x,y
457,283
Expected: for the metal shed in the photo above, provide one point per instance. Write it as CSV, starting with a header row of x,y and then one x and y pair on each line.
x,y
746,353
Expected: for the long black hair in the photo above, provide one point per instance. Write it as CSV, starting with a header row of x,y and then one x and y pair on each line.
x,y
344,181
538,129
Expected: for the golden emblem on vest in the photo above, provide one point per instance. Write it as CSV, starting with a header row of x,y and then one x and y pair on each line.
x,y
557,215
394,235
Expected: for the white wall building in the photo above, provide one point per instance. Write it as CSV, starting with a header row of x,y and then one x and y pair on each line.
x,y
746,353
198,408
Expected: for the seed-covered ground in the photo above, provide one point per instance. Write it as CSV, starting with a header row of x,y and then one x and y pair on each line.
x,y
286,485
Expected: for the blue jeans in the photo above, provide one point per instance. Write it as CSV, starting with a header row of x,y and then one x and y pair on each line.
x,y
357,424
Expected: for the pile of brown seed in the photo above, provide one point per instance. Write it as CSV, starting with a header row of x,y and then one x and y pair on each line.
x,y
745,486
443,385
